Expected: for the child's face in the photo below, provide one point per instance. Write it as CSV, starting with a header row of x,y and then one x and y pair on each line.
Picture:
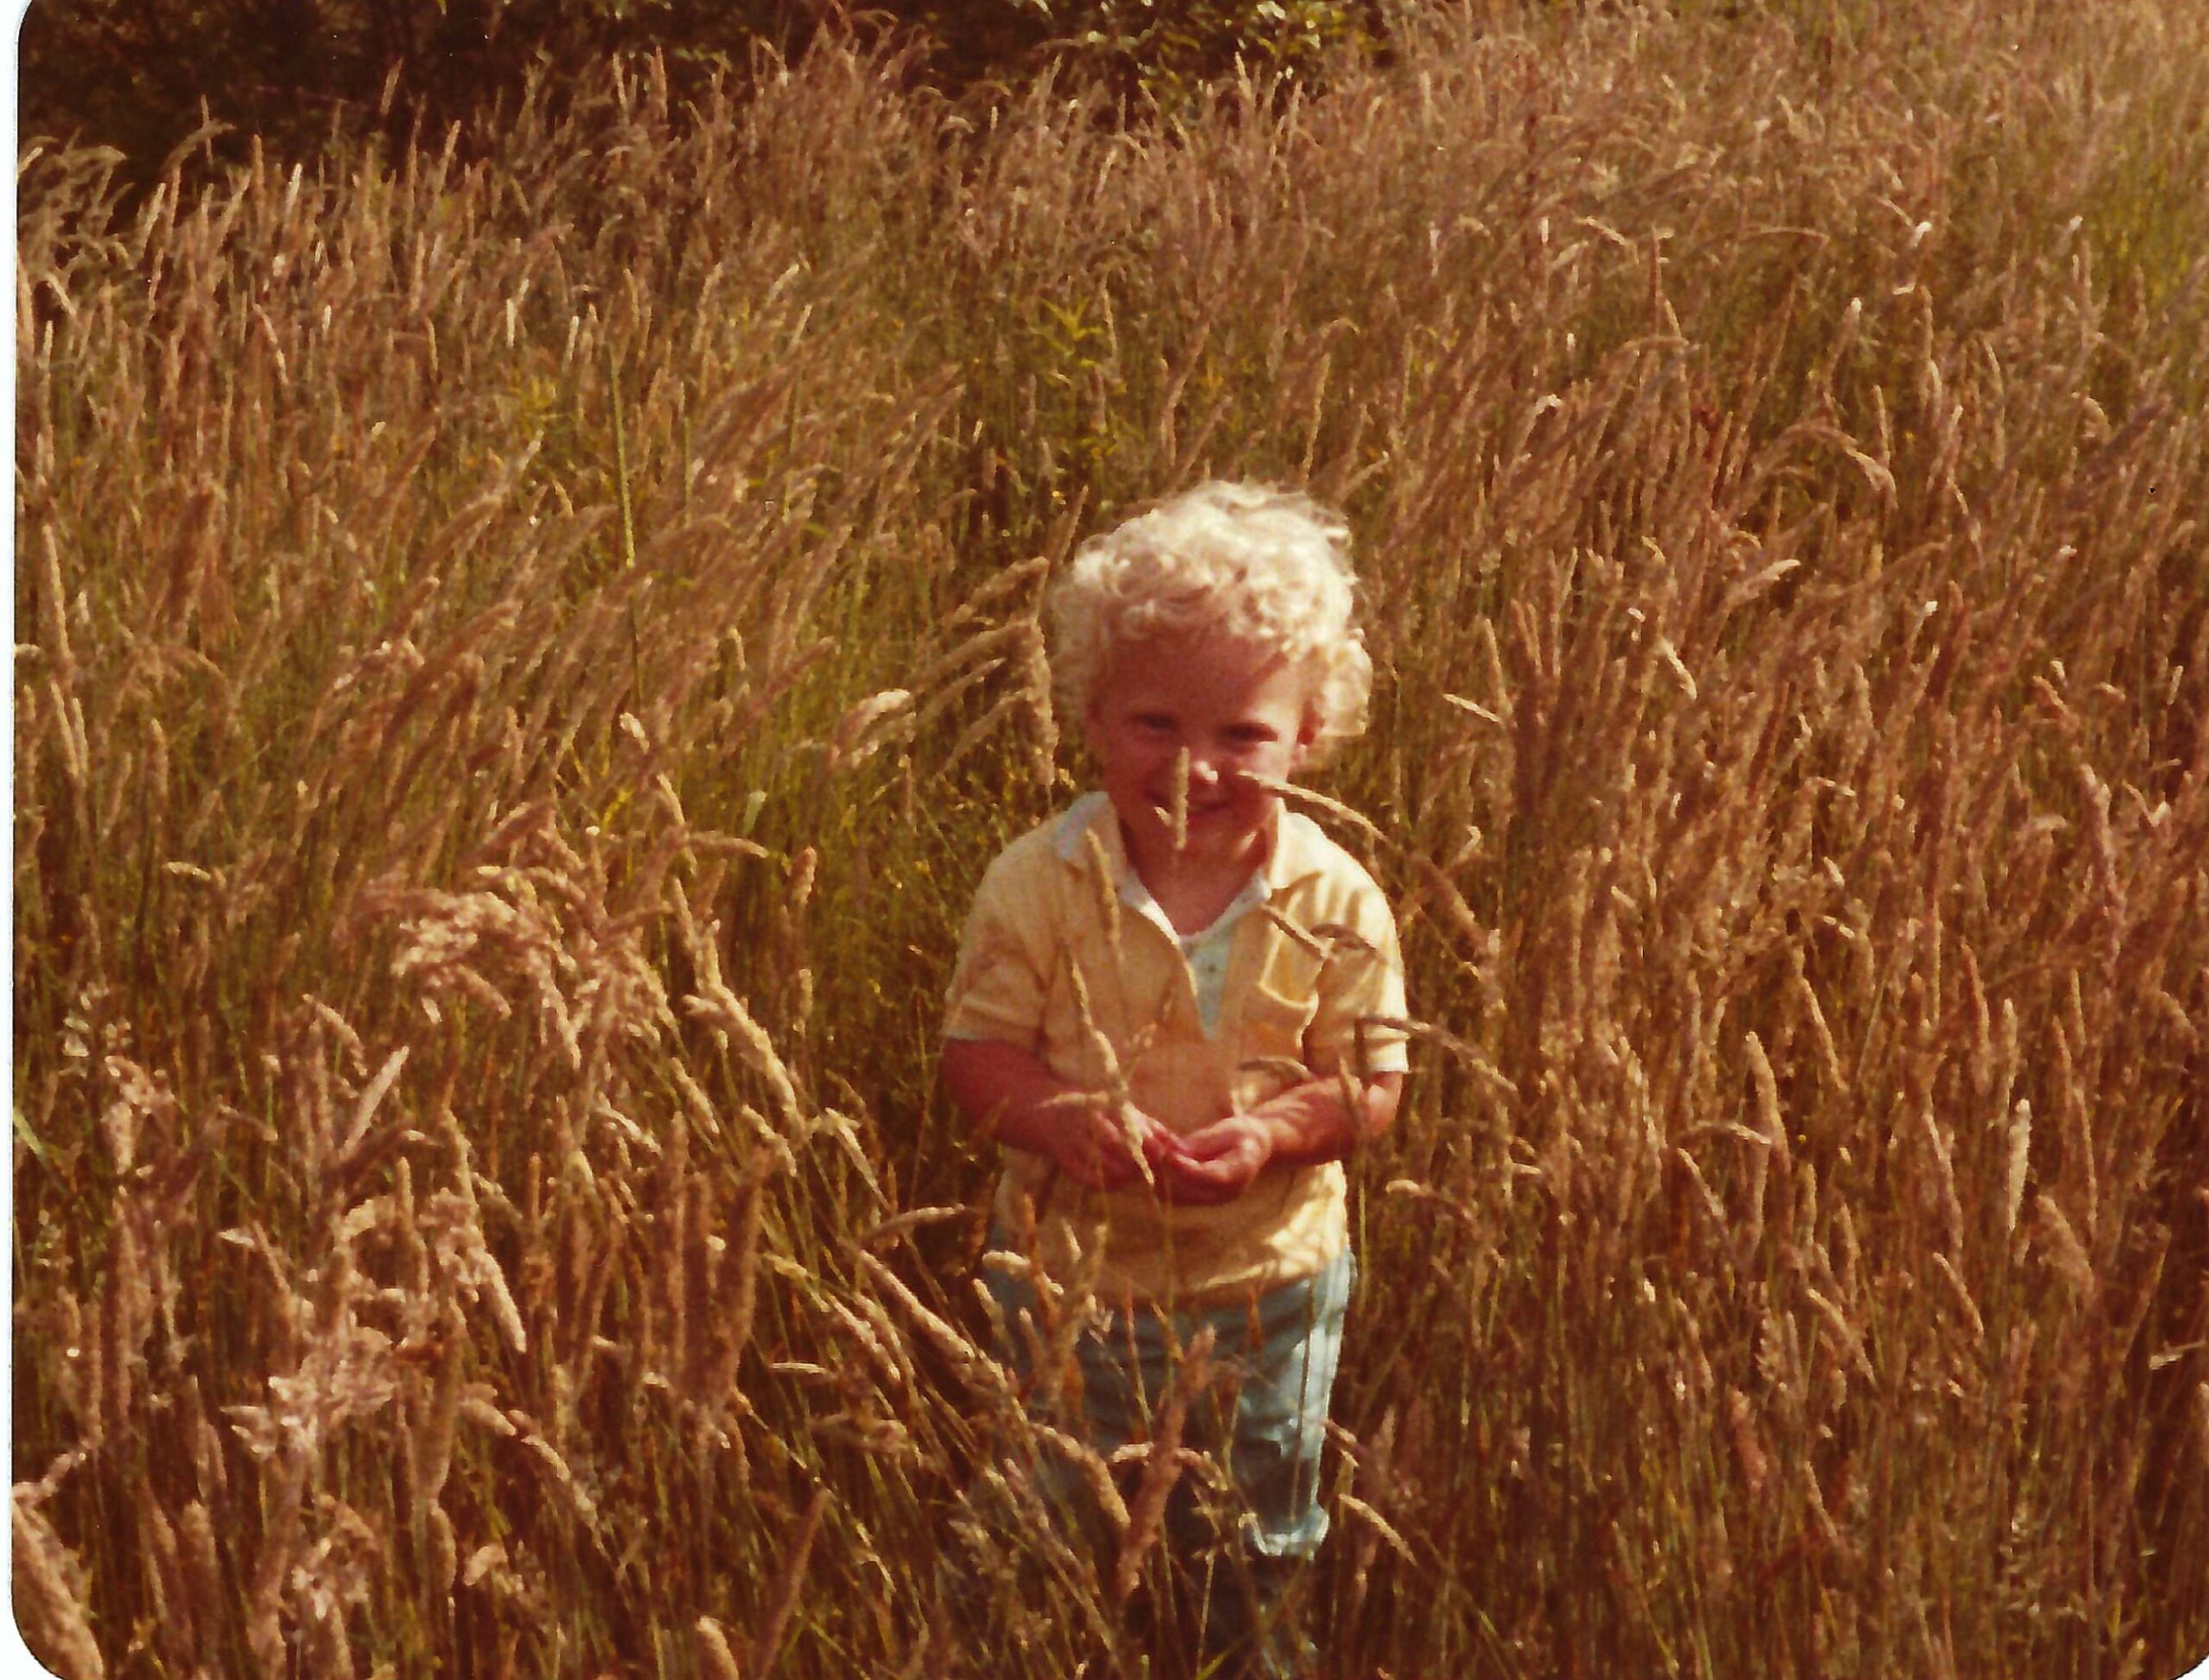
x,y
1240,709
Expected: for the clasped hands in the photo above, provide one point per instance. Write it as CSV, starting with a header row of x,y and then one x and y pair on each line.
x,y
1213,1164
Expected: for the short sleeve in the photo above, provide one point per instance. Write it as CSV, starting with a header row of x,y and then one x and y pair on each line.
x,y
999,988
1361,984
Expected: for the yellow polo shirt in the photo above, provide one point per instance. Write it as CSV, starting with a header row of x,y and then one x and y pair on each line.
x,y
1050,937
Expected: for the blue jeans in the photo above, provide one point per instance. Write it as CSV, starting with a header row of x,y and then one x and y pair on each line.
x,y
1280,1352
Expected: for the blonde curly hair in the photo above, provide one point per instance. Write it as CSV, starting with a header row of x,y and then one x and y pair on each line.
x,y
1266,566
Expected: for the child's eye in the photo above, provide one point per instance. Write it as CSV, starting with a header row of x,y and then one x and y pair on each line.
x,y
1153,720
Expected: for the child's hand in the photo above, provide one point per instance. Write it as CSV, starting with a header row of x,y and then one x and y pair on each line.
x,y
1217,1162
1106,1151
1300,1127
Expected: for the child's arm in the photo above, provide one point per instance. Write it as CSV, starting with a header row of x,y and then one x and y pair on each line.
x,y
1007,1091
1305,1124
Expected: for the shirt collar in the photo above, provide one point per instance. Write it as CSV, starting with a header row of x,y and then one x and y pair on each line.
x,y
1295,857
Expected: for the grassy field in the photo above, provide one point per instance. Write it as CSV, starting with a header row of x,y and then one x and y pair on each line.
x,y
525,649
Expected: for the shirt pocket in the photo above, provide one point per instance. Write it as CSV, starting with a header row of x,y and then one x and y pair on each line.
x,y
1269,1044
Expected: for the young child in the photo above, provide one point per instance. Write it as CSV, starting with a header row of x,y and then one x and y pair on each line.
x,y
1167,1000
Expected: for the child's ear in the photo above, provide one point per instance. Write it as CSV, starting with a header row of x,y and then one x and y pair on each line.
x,y
1307,734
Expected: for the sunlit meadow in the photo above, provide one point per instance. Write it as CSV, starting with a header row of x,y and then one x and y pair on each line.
x,y
525,646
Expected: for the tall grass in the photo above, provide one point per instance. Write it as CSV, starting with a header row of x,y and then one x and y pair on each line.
x,y
526,648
